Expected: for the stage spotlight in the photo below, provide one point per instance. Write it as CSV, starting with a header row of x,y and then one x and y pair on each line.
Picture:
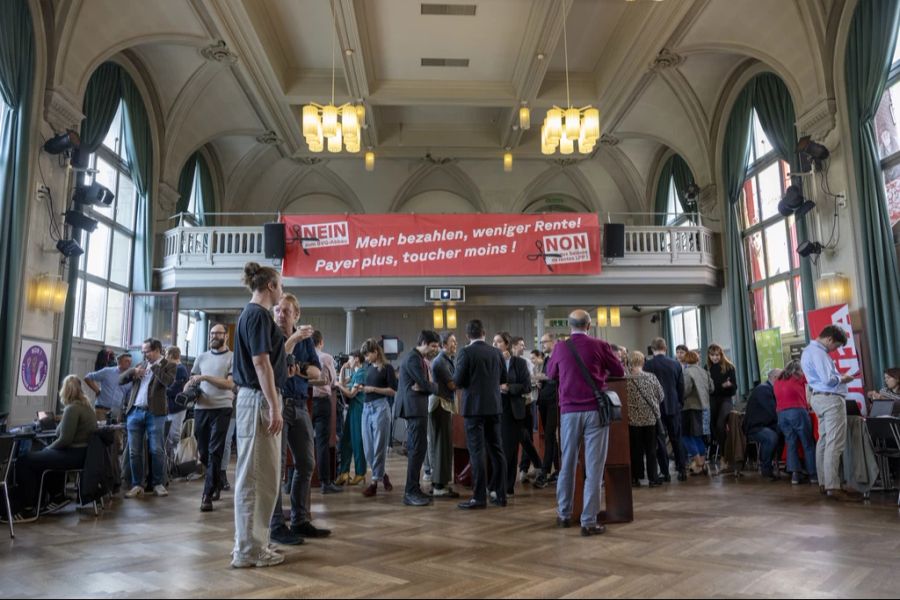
x,y
807,249
62,142
812,149
94,194
793,203
692,191
81,221
69,248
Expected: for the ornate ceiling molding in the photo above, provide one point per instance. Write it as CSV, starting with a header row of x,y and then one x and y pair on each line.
x,y
269,138
167,198
220,53
666,59
610,140
60,110
820,123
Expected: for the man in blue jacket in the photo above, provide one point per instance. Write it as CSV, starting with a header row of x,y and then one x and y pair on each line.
x,y
671,377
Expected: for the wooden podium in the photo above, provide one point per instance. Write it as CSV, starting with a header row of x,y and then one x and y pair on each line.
x,y
617,477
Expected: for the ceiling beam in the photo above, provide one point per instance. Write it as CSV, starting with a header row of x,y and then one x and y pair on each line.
x,y
356,55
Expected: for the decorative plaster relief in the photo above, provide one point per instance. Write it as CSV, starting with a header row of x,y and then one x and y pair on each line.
x,y
168,198
820,123
61,111
269,138
309,161
709,203
220,53
609,140
666,59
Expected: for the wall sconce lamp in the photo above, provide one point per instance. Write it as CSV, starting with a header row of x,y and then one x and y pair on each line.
x,y
47,293
832,289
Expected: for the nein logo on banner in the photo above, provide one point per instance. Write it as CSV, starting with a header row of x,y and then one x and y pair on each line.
x,y
327,234
570,248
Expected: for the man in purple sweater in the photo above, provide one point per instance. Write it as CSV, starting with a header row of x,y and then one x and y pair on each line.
x,y
581,419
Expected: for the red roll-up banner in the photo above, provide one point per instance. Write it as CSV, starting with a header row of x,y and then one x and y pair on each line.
x,y
441,245
846,358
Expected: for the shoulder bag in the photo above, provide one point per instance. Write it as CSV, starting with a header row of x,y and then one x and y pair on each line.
x,y
609,406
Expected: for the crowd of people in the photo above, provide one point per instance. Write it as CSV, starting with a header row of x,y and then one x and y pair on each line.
x,y
681,414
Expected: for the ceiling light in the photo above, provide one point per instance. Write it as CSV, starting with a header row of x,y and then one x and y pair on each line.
x,y
524,118
602,316
615,317
507,162
562,127
541,56
370,161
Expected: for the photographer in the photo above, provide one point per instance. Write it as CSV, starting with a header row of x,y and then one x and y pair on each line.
x,y
211,375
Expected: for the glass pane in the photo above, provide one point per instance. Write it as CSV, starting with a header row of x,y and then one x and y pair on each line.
x,y
98,252
79,303
892,191
886,122
770,192
151,316
756,268
794,242
677,328
106,176
758,309
782,306
125,202
750,208
120,261
692,329
112,134
94,310
761,145
115,317
798,304
777,249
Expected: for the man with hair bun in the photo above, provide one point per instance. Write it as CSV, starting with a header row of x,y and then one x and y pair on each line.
x,y
260,371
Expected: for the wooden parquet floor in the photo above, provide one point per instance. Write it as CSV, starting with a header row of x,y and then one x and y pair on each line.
x,y
706,537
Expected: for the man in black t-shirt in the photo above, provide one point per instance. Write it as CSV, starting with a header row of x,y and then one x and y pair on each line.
x,y
260,372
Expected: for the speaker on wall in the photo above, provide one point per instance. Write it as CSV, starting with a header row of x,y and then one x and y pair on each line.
x,y
273,240
614,240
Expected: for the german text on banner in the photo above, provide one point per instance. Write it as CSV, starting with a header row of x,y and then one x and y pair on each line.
x,y
441,245
846,358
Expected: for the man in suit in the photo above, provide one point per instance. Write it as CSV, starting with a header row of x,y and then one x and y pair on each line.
x,y
581,419
548,404
442,407
671,375
414,387
145,412
480,370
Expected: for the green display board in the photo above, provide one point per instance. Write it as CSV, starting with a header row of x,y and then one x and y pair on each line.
x,y
769,350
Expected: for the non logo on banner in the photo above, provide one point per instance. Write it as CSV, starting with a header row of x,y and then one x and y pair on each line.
x,y
34,368
769,350
441,245
846,358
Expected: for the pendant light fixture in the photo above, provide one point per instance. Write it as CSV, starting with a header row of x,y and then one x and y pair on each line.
x,y
340,125
562,128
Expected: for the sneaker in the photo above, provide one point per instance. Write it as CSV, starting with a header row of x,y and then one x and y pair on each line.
x,y
135,492
22,516
308,530
493,495
160,490
563,523
814,481
330,488
523,477
284,536
55,505
386,482
593,530
267,558
206,504
541,482
446,492
795,478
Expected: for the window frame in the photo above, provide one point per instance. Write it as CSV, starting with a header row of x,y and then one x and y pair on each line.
x,y
679,312
115,157
892,161
757,165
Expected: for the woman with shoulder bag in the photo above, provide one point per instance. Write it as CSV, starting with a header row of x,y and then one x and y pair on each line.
x,y
644,397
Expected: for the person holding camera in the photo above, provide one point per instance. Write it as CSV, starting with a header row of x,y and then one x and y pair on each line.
x,y
297,434
212,388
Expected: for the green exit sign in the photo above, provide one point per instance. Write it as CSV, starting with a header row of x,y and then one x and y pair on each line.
x,y
558,323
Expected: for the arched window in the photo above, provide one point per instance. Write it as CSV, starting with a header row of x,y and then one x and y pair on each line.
x,y
104,270
685,323
887,129
773,267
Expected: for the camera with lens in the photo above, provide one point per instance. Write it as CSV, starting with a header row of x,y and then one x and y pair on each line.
x,y
340,359
188,398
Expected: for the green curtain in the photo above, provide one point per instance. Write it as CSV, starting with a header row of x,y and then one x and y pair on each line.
x,y
775,108
735,154
873,34
683,177
207,195
139,149
101,99
186,183
704,333
666,325
16,81
676,168
661,206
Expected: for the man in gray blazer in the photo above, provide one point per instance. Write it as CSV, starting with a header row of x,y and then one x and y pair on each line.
x,y
480,370
415,385
145,412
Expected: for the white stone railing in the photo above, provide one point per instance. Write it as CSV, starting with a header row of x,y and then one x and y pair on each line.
x,y
231,247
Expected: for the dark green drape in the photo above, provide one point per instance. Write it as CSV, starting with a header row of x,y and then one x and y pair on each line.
x,y
139,149
675,168
666,326
207,195
186,183
735,153
704,333
16,81
775,108
873,34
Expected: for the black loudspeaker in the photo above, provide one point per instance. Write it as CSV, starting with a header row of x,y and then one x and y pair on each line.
x,y
614,240
273,240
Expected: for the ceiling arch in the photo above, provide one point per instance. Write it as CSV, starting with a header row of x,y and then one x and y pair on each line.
x,y
445,176
317,179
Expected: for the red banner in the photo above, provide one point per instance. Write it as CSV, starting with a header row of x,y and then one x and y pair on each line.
x,y
441,245
846,358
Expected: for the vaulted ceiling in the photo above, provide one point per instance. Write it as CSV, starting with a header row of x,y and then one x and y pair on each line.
x,y
658,71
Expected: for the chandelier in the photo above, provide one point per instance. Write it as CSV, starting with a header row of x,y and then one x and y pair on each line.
x,y
340,125
562,128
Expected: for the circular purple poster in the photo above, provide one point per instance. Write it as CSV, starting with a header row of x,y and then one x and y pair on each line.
x,y
34,368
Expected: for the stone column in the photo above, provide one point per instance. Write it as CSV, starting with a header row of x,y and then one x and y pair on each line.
x,y
539,312
349,338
